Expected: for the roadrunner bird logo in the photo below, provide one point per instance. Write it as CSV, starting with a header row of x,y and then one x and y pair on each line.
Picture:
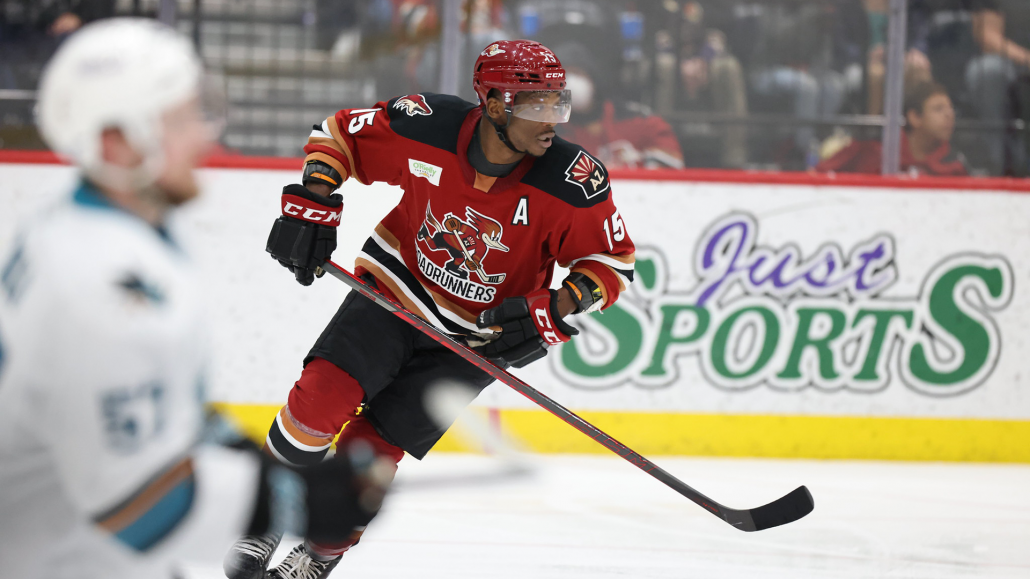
x,y
413,104
467,241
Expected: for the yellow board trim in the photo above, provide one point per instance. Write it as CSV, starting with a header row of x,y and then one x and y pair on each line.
x,y
825,437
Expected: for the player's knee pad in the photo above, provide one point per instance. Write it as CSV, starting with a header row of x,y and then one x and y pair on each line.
x,y
325,398
320,403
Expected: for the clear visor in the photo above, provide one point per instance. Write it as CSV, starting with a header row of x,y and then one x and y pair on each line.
x,y
553,106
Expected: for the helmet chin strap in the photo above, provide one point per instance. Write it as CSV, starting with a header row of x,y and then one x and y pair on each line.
x,y
501,134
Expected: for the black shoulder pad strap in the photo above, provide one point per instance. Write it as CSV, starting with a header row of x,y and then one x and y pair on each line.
x,y
432,119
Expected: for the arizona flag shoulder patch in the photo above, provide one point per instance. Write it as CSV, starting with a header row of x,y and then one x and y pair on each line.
x,y
588,174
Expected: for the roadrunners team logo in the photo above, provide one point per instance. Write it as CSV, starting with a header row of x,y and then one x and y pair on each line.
x,y
467,242
413,104
588,174
492,50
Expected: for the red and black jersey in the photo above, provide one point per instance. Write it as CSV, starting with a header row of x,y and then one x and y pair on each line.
x,y
459,242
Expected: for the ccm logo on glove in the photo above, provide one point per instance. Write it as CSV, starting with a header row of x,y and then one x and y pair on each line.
x,y
528,325
543,322
305,209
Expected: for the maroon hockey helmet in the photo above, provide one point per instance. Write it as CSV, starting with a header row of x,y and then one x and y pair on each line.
x,y
514,66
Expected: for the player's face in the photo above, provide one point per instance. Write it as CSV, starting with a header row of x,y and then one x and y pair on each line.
x,y
530,136
533,137
186,138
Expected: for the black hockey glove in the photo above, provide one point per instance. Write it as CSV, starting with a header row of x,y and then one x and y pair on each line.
x,y
528,326
304,237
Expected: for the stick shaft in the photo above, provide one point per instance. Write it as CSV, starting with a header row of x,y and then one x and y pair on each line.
x,y
537,397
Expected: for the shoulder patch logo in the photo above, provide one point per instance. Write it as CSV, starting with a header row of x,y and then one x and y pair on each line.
x,y
588,174
430,172
413,104
492,50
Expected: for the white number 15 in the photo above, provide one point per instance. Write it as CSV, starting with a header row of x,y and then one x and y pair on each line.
x,y
616,230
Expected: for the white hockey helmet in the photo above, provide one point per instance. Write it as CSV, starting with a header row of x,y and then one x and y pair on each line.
x,y
117,73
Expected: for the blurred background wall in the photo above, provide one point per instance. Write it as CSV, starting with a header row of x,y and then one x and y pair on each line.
x,y
738,84
782,96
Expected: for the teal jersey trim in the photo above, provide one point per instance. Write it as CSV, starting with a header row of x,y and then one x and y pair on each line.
x,y
87,195
161,519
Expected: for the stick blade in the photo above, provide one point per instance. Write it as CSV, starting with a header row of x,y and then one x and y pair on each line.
x,y
783,510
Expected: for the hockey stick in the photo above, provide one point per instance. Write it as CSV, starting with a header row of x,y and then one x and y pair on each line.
x,y
783,510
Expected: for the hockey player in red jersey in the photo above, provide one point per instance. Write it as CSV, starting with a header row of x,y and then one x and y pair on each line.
x,y
493,200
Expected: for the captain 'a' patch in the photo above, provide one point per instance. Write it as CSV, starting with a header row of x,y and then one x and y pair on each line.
x,y
521,212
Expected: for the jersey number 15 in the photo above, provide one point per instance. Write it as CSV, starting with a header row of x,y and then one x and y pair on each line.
x,y
614,229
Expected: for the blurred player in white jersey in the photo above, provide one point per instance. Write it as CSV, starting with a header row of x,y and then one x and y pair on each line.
x,y
104,471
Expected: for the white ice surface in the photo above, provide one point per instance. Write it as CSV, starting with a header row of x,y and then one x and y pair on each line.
x,y
586,517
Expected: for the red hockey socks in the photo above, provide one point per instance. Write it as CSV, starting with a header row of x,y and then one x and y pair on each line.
x,y
358,431
321,402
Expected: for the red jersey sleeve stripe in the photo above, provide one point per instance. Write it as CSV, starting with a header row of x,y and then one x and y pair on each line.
x,y
326,150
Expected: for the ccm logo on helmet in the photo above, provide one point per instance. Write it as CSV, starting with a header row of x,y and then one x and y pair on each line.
x,y
555,75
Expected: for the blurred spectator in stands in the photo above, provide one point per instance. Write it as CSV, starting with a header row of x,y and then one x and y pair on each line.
x,y
712,79
802,52
396,34
481,23
31,29
337,28
621,135
977,56
917,65
415,34
925,143
592,24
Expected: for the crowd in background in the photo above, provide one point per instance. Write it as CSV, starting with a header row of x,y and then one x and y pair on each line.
x,y
30,32
745,84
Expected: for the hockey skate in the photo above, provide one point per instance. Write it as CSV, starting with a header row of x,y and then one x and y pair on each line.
x,y
299,564
249,555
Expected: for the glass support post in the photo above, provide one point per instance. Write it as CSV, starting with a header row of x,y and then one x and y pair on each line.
x,y
895,87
